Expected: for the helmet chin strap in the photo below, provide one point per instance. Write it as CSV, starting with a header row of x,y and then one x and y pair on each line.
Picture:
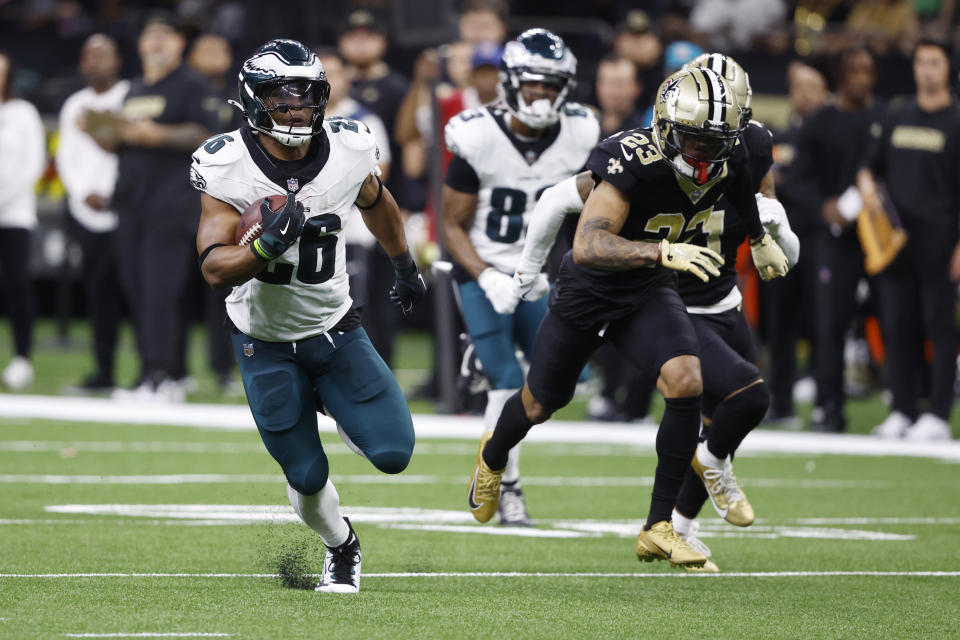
x,y
292,136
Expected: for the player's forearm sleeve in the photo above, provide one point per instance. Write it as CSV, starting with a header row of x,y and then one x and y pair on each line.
x,y
784,235
553,206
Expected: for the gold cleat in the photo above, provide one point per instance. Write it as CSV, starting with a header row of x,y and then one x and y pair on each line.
x,y
728,498
695,543
661,542
484,493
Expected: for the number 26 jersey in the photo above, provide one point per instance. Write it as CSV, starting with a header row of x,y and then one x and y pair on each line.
x,y
304,291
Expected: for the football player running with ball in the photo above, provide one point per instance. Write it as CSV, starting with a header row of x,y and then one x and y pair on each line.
x,y
296,334
654,196
505,156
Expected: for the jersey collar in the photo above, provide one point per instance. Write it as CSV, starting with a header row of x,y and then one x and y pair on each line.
x,y
285,174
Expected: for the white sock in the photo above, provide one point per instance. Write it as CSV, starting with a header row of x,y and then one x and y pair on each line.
x,y
707,458
681,523
511,475
496,398
321,512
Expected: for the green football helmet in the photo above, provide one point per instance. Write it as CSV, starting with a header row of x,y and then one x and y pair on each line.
x,y
283,76
696,122
733,73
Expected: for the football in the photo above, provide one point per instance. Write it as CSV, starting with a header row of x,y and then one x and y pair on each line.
x,y
251,223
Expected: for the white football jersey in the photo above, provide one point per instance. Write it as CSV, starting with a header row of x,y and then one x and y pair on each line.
x,y
513,174
303,292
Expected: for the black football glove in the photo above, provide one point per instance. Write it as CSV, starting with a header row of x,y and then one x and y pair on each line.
x,y
280,229
410,286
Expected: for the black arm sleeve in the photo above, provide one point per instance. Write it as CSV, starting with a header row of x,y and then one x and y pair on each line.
x,y
741,194
461,176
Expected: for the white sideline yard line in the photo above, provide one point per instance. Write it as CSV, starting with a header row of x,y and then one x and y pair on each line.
x,y
539,481
238,418
519,574
147,635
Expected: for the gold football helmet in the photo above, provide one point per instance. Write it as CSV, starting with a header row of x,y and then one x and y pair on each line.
x,y
696,121
733,73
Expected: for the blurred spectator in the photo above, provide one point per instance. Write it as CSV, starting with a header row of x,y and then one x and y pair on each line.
x,y
675,56
636,41
916,157
483,21
88,173
733,25
884,24
829,151
212,58
369,294
617,91
789,301
22,160
163,120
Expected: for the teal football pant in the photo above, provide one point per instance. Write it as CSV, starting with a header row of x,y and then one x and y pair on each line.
x,y
338,373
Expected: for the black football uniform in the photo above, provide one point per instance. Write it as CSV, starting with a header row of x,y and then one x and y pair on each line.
x,y
727,352
629,307
917,157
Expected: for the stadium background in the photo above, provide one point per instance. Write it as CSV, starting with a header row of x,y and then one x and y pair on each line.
x,y
44,39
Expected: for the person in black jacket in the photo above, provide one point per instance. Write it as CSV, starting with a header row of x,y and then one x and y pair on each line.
x,y
829,152
917,157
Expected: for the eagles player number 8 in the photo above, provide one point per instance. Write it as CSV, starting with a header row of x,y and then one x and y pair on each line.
x,y
505,220
318,254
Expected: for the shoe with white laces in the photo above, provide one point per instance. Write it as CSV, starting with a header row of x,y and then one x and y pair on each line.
x,y
19,374
728,498
513,507
695,543
893,427
662,542
341,566
929,428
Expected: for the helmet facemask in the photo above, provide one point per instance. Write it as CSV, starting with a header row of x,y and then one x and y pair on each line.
x,y
541,112
697,153
299,103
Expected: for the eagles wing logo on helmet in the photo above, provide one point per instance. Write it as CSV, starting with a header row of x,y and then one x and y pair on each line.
x,y
283,76
696,123
537,55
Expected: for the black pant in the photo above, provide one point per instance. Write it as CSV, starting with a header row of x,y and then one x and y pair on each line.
x,y
157,259
917,301
102,293
839,270
18,294
789,304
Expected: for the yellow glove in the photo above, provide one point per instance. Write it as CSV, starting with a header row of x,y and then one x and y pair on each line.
x,y
769,258
699,261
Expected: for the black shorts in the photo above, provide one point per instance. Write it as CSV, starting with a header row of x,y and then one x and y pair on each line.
x,y
650,336
727,354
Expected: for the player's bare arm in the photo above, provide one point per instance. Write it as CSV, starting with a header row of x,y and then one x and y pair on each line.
x,y
459,208
585,184
228,265
596,243
768,185
382,216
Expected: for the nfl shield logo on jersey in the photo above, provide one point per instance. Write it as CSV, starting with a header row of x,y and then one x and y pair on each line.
x,y
293,185
248,349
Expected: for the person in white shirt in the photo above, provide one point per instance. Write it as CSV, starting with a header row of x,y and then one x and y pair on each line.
x,y
22,159
88,173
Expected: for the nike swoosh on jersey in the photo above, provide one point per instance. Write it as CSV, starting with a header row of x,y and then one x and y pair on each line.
x,y
473,487
623,150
